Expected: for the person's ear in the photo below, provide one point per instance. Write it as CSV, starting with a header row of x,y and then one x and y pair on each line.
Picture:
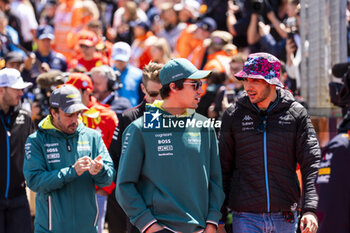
x,y
172,87
53,112
143,88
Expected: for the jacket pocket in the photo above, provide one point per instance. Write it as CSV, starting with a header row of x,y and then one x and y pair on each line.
x,y
49,199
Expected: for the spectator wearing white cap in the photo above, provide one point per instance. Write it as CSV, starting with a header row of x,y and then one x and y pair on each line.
x,y
130,76
15,126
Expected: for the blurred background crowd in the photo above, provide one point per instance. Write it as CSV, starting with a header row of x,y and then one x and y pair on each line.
x,y
56,41
48,40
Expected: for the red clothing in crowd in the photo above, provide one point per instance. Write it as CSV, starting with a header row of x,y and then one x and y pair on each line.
x,y
98,60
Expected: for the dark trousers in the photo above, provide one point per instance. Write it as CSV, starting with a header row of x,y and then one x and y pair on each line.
x,y
118,221
15,215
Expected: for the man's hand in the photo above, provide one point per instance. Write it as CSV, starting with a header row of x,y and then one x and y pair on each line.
x,y
221,228
29,61
96,165
45,67
290,46
308,223
210,228
82,165
154,228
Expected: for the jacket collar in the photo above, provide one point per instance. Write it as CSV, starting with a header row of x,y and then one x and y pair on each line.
x,y
158,104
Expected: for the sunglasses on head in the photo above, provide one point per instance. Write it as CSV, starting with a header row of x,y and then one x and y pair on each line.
x,y
196,85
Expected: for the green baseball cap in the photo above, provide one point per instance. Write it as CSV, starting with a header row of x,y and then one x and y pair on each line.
x,y
180,68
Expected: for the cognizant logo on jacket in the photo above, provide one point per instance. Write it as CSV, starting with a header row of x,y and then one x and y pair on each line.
x,y
157,120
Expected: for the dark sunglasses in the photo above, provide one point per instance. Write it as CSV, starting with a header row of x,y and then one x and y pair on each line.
x,y
152,93
196,85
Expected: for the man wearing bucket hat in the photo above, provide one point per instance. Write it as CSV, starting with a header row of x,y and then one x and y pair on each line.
x,y
169,176
63,163
15,126
263,136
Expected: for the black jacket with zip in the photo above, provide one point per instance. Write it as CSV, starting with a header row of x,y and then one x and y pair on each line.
x,y
124,121
259,163
19,125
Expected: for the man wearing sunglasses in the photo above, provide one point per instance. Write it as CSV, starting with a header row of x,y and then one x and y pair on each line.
x,y
117,219
169,175
263,136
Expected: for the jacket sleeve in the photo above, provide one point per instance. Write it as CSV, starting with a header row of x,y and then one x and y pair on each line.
x,y
36,173
107,173
112,124
216,193
333,183
308,156
129,170
116,144
227,157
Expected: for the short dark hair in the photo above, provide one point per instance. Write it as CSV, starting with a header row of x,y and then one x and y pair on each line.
x,y
165,90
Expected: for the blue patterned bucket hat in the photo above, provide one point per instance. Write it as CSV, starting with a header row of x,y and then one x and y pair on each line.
x,y
261,66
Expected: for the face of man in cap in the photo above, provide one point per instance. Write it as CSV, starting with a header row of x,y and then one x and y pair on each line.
x,y
11,88
87,51
120,65
259,92
65,122
9,97
66,107
190,95
15,65
260,76
180,98
44,46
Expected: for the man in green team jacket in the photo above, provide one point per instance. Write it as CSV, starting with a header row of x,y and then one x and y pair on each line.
x,y
169,176
63,163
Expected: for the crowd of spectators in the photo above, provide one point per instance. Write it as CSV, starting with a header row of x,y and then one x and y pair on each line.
x,y
49,41
78,35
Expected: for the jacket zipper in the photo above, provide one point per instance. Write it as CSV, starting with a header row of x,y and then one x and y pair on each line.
x,y
50,212
272,106
266,175
8,153
68,146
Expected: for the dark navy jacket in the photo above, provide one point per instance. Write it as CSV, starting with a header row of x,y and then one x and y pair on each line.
x,y
259,153
15,127
333,183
